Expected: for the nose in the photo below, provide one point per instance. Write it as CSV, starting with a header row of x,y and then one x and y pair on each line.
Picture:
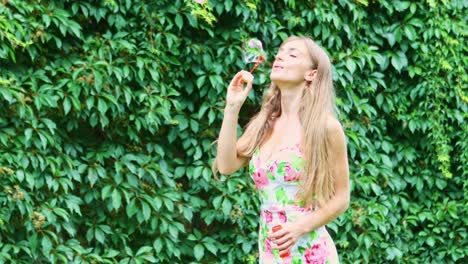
x,y
279,57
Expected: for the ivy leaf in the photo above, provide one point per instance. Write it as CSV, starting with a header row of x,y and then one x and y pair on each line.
x,y
246,247
351,65
116,199
99,235
131,209
199,251
111,253
178,21
28,134
46,245
144,250
102,106
158,245
66,106
227,206
399,60
146,210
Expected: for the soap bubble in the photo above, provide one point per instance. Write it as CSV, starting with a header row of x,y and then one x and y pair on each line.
x,y
252,52
252,49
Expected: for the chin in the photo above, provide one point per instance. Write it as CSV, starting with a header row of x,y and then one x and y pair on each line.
x,y
276,78
279,80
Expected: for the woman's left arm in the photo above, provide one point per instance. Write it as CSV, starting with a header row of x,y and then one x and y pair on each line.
x,y
290,233
340,201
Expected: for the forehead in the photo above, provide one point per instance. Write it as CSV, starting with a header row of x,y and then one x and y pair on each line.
x,y
297,45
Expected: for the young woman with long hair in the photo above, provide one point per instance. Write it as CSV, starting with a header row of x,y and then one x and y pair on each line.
x,y
295,149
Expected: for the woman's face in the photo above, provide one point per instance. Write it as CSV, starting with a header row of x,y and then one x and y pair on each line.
x,y
292,63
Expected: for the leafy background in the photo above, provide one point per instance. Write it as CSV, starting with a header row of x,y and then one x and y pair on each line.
x,y
110,108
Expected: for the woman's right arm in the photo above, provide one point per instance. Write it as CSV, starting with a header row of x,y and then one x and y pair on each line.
x,y
227,160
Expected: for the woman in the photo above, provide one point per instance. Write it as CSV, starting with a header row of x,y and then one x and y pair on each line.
x,y
296,152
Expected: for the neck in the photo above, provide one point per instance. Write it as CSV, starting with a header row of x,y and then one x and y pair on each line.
x,y
290,101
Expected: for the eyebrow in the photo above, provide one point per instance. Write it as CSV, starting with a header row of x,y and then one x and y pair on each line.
x,y
290,49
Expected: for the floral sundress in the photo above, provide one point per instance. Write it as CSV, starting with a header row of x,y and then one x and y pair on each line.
x,y
277,183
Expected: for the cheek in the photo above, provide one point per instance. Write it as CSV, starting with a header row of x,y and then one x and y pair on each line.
x,y
295,73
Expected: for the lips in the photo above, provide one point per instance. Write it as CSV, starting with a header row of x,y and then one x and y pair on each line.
x,y
277,67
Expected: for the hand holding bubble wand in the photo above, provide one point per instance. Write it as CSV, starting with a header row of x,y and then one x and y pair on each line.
x,y
252,52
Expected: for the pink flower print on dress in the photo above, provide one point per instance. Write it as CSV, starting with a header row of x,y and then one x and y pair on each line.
x,y
260,178
298,208
268,252
273,167
290,174
268,217
273,208
317,254
282,216
287,260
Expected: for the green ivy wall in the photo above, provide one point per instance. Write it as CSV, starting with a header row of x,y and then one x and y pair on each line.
x,y
109,109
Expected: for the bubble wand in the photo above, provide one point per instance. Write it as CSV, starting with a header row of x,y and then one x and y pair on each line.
x,y
260,59
252,51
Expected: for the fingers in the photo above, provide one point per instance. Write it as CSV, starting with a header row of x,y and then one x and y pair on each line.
x,y
242,76
237,79
282,240
285,247
277,234
247,77
248,88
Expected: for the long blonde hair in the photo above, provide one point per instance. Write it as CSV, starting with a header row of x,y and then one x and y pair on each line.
x,y
317,184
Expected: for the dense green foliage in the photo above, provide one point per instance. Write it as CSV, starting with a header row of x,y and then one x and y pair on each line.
x,y
110,108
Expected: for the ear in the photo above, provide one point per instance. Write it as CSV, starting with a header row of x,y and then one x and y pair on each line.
x,y
310,75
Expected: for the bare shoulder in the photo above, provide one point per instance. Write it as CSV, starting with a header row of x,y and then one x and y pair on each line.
x,y
334,129
333,124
